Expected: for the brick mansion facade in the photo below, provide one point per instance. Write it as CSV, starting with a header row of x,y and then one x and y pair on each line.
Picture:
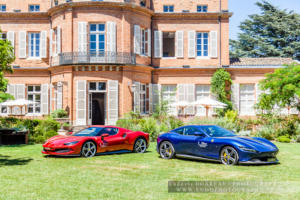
x,y
101,59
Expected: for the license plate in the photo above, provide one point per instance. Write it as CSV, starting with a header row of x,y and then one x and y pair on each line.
x,y
271,159
47,148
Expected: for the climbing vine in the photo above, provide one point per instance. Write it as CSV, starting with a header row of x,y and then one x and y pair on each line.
x,y
220,87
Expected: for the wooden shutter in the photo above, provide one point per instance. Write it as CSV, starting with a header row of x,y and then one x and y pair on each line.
x,y
179,44
156,96
11,38
149,42
51,98
190,97
43,44
192,44
213,44
137,39
158,44
150,99
111,36
59,96
81,102
44,99
137,97
82,36
50,42
113,102
181,96
19,94
58,40
235,96
22,44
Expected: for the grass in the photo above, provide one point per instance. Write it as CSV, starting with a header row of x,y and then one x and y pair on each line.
x,y
26,174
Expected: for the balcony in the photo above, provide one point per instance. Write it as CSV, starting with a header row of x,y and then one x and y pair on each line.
x,y
83,58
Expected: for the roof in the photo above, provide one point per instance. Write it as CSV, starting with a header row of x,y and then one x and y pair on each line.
x,y
269,61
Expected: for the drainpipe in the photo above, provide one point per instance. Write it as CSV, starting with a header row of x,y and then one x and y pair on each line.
x,y
220,33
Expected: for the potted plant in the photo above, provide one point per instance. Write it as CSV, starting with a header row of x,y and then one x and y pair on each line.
x,y
66,126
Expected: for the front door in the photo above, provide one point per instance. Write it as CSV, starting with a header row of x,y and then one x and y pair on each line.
x,y
97,108
115,140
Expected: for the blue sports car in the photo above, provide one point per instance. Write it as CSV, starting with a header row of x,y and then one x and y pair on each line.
x,y
210,142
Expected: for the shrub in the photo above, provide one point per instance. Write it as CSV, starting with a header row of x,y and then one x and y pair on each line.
x,y
284,138
60,113
298,139
231,115
267,132
175,122
44,130
223,122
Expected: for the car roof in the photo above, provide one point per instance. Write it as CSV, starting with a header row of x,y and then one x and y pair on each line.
x,y
197,125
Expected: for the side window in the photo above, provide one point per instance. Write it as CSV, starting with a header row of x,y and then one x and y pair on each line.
x,y
179,131
110,131
190,130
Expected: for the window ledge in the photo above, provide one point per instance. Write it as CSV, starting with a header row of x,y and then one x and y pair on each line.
x,y
168,58
34,58
34,115
203,57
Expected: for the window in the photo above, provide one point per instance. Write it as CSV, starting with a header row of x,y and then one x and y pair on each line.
x,y
201,92
169,95
144,99
34,44
34,8
202,8
190,130
97,39
168,8
179,131
168,44
202,44
3,109
247,99
34,94
3,36
97,86
143,3
2,8
55,43
144,47
109,131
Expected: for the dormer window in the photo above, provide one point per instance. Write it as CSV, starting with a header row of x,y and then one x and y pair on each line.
x,y
34,8
2,8
202,8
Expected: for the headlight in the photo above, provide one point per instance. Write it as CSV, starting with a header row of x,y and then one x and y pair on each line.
x,y
71,143
247,149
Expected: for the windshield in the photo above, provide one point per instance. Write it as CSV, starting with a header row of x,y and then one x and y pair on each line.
x,y
216,131
92,131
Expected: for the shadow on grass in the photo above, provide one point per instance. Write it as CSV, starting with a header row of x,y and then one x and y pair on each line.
x,y
7,161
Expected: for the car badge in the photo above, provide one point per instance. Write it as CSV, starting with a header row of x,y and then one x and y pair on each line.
x,y
202,145
212,140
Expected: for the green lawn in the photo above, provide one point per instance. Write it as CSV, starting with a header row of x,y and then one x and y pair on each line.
x,y
26,174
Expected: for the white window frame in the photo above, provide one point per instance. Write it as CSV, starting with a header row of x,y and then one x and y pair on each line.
x,y
34,93
168,8
36,8
169,94
144,99
97,86
144,42
202,6
34,45
97,33
202,45
247,99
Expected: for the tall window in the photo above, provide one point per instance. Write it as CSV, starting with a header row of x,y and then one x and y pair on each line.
x,y
144,47
168,8
144,99
34,44
201,92
34,8
34,94
202,44
168,44
247,99
97,39
202,8
169,95
2,8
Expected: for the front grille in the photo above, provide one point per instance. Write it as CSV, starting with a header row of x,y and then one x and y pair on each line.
x,y
62,150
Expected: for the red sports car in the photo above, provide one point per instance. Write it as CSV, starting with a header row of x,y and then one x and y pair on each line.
x,y
95,140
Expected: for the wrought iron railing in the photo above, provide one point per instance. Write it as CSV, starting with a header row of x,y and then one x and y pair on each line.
x,y
81,58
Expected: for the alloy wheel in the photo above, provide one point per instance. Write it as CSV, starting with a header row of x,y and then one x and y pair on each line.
x,y
166,150
88,149
140,146
229,156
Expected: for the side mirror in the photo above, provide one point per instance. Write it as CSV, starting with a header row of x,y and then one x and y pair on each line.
x,y
199,134
104,135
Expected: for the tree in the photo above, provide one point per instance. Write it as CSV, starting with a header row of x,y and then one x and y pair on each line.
x,y
283,89
273,33
219,83
6,58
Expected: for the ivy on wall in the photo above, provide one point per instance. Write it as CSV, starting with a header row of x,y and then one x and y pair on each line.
x,y
220,87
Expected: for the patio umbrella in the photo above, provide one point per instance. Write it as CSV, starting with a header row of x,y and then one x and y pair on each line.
x,y
182,104
208,103
18,102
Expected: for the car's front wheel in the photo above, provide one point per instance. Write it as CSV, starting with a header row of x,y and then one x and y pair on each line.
x,y
88,149
166,150
229,156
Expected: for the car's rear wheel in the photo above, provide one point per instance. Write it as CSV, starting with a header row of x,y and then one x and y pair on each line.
x,y
88,149
166,150
140,145
229,156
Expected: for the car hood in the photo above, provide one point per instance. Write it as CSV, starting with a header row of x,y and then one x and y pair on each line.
x,y
254,143
61,139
